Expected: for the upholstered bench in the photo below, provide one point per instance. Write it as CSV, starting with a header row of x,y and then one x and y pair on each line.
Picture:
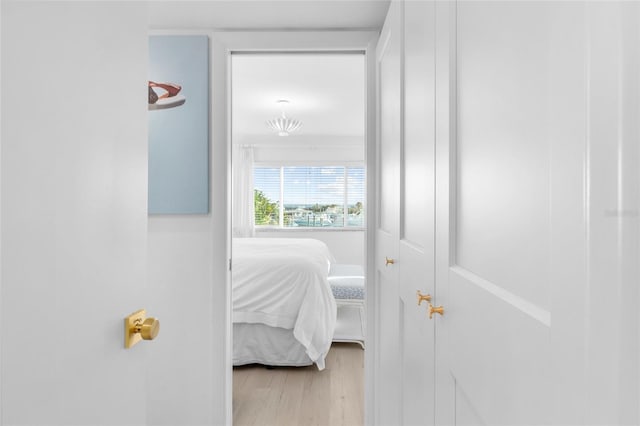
x,y
347,285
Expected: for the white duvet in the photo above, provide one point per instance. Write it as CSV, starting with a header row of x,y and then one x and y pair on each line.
x,y
282,282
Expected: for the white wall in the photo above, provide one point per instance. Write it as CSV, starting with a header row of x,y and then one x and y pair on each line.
x,y
188,270
297,149
309,155
1,37
181,289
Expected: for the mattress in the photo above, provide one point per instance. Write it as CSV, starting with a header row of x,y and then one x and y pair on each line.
x,y
283,283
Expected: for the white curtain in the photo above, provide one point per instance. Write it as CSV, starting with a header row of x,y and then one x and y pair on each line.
x,y
242,195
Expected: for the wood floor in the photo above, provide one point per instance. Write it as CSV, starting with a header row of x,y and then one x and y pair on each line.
x,y
302,396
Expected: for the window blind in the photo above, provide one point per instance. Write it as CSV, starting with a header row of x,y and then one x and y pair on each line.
x,y
309,196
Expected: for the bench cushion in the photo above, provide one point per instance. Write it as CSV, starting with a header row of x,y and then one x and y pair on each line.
x,y
347,281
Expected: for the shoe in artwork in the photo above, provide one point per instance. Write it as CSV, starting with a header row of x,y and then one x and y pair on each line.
x,y
168,96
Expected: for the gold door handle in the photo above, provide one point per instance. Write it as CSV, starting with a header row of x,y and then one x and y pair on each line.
x,y
423,297
388,261
138,327
435,310
148,329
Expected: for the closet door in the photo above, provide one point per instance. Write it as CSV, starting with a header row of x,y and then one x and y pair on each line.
x,y
533,172
416,239
405,234
389,306
504,188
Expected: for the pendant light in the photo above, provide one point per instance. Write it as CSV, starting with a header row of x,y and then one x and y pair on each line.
x,y
283,124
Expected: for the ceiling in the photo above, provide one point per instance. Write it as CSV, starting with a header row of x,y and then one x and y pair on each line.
x,y
326,93
268,14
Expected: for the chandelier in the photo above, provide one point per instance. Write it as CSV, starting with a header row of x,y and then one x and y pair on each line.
x,y
284,125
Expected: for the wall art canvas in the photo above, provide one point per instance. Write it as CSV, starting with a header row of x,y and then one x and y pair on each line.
x,y
178,104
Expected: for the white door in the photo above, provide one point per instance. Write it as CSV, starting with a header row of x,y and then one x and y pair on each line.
x,y
416,263
74,221
528,165
405,234
497,310
388,377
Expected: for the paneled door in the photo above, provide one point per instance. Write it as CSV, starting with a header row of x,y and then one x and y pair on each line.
x,y
505,184
416,262
405,234
388,368
530,227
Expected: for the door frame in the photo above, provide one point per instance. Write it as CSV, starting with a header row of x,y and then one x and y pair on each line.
x,y
223,45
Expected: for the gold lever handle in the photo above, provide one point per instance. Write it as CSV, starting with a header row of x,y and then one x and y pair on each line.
x,y
138,327
423,297
435,310
388,261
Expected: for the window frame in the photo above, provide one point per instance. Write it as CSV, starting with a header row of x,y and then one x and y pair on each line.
x,y
282,164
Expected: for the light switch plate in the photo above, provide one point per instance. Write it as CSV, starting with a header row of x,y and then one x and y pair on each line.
x,y
130,336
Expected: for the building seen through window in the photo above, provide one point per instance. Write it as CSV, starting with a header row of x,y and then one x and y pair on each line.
x,y
310,197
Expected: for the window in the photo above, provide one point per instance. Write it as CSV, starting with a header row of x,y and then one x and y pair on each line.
x,y
309,197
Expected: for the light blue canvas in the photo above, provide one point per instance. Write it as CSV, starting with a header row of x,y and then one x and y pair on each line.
x,y
179,136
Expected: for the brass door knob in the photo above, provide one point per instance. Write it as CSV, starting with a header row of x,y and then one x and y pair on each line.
x,y
138,327
148,329
435,310
388,261
423,297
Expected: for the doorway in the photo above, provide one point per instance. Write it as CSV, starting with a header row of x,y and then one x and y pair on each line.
x,y
298,139
224,45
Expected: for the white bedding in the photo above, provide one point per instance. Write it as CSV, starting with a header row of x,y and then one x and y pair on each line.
x,y
261,344
282,282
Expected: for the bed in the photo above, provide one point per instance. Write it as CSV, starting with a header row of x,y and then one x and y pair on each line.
x,y
284,312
